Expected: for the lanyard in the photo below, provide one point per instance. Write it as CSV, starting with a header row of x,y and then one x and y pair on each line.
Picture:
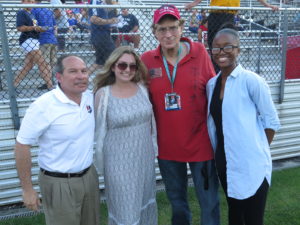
x,y
172,79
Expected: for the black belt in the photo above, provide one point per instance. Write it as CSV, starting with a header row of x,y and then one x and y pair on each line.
x,y
65,175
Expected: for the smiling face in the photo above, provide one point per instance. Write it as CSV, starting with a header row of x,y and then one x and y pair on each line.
x,y
125,68
226,59
74,78
168,32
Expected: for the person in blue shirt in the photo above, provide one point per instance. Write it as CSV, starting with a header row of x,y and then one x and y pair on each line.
x,y
48,42
128,23
237,22
77,11
242,121
194,21
100,34
84,22
72,21
28,40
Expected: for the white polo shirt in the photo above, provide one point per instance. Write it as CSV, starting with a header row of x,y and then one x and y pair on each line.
x,y
63,129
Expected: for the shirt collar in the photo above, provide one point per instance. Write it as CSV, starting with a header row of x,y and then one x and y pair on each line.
x,y
60,95
237,70
235,73
192,53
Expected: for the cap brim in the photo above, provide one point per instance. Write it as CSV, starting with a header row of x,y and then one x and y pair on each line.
x,y
164,14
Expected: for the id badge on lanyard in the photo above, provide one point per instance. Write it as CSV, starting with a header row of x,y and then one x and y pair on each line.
x,y
172,100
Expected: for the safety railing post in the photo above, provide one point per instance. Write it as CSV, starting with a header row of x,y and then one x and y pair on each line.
x,y
8,71
283,61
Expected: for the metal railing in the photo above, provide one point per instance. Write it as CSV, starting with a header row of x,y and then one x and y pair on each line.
x,y
264,43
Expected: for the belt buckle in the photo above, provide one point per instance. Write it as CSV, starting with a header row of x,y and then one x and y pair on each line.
x,y
79,174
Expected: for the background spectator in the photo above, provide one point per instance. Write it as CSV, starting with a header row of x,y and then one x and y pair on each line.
x,y
297,21
202,32
100,34
77,11
194,21
113,13
61,20
84,23
72,20
62,25
217,18
128,23
202,15
237,22
29,42
47,39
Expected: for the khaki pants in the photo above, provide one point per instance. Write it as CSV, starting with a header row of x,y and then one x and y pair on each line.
x,y
71,201
49,52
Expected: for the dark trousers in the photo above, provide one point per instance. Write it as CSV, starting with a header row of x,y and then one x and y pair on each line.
x,y
61,39
205,180
248,211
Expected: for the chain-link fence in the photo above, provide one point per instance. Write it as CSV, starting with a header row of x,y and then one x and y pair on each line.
x,y
268,38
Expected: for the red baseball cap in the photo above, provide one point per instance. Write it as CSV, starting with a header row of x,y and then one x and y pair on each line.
x,y
165,10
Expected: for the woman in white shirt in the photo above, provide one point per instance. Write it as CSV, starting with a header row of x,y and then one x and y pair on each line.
x,y
242,121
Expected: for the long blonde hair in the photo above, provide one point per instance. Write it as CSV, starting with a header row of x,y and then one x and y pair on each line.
x,y
107,77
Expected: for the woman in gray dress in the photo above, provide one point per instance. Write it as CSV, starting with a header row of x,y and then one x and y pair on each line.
x,y
126,139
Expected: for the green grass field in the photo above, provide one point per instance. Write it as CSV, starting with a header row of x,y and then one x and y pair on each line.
x,y
283,205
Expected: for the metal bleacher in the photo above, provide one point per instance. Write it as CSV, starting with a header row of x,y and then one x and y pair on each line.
x,y
82,46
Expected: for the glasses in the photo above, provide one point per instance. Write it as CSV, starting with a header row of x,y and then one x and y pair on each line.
x,y
123,66
226,49
164,30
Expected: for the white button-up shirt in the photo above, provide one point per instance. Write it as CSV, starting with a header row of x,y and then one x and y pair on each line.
x,y
247,111
63,129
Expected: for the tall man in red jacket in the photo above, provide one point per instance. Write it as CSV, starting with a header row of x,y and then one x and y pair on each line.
x,y
178,71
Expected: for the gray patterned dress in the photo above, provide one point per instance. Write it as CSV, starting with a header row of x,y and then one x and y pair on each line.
x,y
129,158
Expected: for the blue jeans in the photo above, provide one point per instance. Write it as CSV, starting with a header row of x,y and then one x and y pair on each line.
x,y
175,178
193,29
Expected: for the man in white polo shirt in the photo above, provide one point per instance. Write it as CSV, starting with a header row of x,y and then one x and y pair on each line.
x,y
62,123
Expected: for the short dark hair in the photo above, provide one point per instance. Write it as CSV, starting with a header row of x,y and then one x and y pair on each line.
x,y
229,28
228,25
59,67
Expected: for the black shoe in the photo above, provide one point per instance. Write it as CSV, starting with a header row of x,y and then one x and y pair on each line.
x,y
43,87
